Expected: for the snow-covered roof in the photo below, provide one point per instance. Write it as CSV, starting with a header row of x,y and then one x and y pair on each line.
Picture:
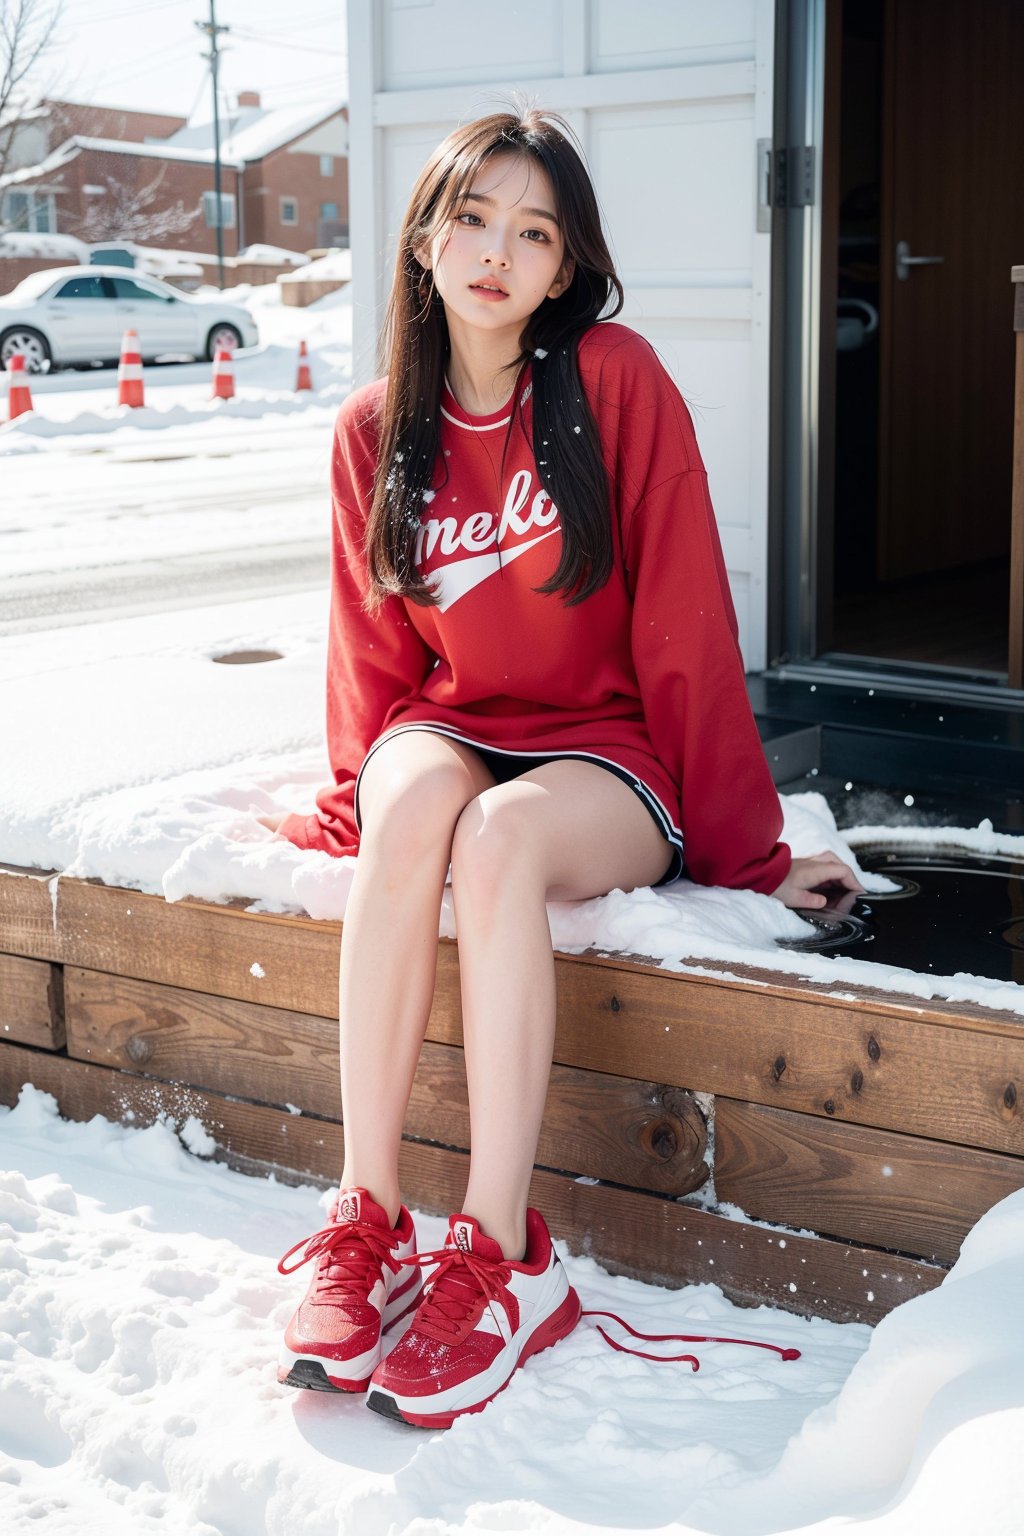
x,y
53,162
249,133
158,150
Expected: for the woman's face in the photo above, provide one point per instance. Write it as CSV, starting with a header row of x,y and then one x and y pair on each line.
x,y
505,252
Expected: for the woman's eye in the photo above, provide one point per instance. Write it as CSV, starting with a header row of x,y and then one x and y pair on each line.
x,y
543,237
468,216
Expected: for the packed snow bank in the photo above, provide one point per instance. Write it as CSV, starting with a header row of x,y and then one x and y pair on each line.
x,y
142,1312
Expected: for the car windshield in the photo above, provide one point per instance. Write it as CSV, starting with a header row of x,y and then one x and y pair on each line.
x,y
37,282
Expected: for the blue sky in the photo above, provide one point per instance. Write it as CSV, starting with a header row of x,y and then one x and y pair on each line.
x,y
147,53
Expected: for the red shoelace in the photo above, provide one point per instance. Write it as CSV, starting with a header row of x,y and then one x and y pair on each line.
x,y
451,1297
353,1252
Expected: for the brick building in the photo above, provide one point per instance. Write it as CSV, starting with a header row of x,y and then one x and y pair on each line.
x,y
108,174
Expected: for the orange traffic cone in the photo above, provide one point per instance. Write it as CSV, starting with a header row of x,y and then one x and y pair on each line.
x,y
19,396
304,379
129,371
223,375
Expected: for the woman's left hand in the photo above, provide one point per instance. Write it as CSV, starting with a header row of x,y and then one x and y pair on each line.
x,y
801,887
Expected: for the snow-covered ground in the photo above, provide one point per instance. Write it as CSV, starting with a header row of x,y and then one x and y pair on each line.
x,y
140,1317
140,1309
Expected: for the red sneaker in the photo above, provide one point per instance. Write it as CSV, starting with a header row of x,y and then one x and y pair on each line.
x,y
362,1284
481,1317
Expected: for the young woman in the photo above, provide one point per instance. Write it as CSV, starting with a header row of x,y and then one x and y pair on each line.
x,y
534,678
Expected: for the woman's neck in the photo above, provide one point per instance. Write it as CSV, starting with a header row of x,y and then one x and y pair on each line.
x,y
478,373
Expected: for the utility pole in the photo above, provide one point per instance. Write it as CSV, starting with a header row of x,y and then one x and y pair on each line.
x,y
213,31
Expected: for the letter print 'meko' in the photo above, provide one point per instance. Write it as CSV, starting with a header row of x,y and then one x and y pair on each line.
x,y
468,551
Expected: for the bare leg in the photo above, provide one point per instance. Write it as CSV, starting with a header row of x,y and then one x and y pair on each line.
x,y
411,794
567,830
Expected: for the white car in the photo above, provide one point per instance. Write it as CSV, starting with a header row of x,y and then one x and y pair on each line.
x,y
79,314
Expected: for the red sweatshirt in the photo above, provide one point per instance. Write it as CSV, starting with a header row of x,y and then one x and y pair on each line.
x,y
645,673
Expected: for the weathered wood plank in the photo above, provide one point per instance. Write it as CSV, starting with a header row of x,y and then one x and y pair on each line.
x,y
645,1134
899,1066
210,949
879,1187
27,923
650,1236
31,1002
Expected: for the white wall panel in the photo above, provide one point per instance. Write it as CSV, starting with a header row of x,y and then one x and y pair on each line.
x,y
677,190
669,98
630,36
464,42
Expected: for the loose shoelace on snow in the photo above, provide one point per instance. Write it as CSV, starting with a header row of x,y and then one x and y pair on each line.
x,y
451,1298
353,1253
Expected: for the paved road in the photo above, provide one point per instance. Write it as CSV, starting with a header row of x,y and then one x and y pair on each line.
x,y
46,600
108,527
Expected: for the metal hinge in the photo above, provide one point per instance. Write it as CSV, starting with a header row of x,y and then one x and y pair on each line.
x,y
785,179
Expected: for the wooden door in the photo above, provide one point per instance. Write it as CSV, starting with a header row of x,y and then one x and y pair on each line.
x,y
951,188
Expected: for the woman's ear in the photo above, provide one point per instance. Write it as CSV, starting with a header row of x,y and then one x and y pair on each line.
x,y
422,254
564,278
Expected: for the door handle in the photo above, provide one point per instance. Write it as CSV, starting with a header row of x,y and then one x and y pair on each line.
x,y
904,261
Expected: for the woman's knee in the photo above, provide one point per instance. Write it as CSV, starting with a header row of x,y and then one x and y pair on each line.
x,y
496,833
412,793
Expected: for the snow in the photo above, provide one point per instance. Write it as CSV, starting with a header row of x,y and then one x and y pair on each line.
x,y
249,133
142,1313
336,265
16,244
273,255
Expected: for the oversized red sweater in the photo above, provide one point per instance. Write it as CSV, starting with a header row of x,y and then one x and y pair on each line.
x,y
645,673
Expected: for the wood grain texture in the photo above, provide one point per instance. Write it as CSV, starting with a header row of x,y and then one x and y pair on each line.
x,y
31,1002
648,1236
640,1134
879,1187
211,948
937,1071
27,925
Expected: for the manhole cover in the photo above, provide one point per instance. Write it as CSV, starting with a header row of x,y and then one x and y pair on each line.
x,y
954,910
245,658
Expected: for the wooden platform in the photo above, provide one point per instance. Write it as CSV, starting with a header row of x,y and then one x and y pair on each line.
x,y
862,1139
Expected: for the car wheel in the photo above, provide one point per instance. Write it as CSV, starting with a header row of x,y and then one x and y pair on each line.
x,y
222,335
32,345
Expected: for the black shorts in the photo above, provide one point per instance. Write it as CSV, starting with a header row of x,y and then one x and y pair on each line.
x,y
509,765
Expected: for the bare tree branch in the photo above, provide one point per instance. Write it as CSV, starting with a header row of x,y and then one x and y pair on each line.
x,y
126,211
26,34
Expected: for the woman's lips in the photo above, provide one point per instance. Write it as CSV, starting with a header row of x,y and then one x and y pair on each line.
x,y
488,293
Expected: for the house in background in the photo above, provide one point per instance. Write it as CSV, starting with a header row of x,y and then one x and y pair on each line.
x,y
815,212
106,174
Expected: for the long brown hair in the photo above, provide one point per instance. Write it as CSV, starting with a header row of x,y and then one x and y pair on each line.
x,y
416,345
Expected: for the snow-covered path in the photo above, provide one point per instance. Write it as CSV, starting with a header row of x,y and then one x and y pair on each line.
x,y
151,520
140,1314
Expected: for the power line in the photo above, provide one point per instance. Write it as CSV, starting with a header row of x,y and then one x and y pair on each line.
x,y
277,42
131,10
